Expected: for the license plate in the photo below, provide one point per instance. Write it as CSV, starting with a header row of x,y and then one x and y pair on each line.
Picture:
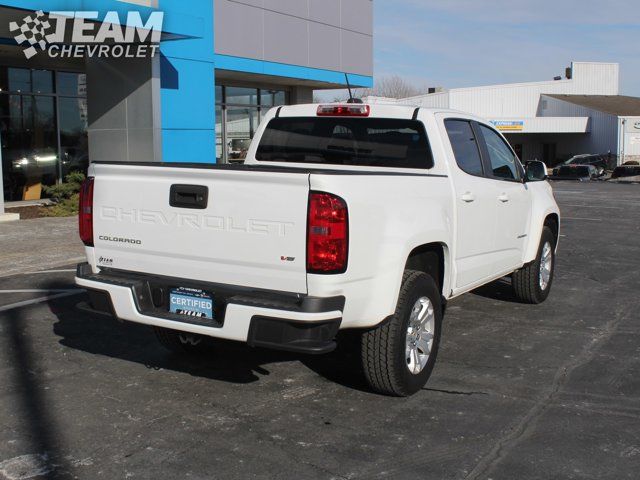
x,y
191,302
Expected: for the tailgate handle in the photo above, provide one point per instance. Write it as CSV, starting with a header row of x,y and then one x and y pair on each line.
x,y
189,196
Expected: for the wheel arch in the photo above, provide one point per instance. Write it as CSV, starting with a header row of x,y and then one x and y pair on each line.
x,y
551,219
432,259
553,222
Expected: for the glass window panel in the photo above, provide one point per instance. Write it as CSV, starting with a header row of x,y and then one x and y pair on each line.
x,y
19,80
503,161
29,145
82,84
219,97
14,109
4,79
42,81
4,110
242,124
242,96
73,117
27,111
272,98
73,134
67,83
44,114
373,142
219,146
72,84
44,142
465,146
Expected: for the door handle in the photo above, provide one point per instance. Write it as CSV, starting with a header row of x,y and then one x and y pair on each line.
x,y
504,198
468,197
189,196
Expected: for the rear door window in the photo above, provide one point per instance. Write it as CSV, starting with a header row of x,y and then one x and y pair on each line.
x,y
465,146
368,142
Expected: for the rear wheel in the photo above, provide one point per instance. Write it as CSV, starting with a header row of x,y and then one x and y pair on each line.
x,y
398,356
532,283
179,342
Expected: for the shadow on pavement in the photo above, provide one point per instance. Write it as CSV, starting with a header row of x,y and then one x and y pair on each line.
x,y
224,361
344,366
498,290
36,414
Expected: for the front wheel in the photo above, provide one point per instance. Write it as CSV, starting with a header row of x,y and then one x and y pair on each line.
x,y
532,283
398,356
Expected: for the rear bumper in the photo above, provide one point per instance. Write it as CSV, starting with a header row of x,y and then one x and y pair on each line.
x,y
266,319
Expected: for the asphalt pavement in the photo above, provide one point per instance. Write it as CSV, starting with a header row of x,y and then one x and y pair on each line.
x,y
31,245
519,391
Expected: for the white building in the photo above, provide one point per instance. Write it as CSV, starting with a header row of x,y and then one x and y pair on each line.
x,y
553,120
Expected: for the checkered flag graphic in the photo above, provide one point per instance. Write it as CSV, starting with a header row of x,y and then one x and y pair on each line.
x,y
32,31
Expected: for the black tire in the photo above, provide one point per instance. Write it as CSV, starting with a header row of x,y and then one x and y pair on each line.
x,y
526,281
384,357
179,342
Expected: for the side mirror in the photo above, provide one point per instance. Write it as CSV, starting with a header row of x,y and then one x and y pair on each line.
x,y
535,171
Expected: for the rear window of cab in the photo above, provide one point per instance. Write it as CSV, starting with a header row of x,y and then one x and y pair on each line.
x,y
367,142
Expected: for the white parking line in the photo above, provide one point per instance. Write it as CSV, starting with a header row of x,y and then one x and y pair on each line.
x,y
594,206
51,271
41,291
585,219
26,303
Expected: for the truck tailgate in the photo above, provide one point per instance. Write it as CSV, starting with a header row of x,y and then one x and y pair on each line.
x,y
251,233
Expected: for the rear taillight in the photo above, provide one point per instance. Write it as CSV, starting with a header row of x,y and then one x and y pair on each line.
x,y
85,218
351,110
327,234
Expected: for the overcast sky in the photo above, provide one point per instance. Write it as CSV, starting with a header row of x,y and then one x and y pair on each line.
x,y
461,43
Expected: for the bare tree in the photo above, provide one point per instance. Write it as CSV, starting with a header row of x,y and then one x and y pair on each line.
x,y
319,98
392,87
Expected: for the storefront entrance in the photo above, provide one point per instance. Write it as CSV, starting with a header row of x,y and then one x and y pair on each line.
x,y
43,128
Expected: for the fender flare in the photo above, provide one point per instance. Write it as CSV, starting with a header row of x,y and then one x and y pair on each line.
x,y
416,243
535,233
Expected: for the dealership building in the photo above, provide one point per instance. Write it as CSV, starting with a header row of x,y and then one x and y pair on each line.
x,y
220,66
580,112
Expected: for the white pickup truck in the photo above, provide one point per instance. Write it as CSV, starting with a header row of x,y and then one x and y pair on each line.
x,y
352,216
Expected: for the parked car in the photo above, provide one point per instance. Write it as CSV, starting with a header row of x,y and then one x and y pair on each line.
x,y
576,172
367,217
598,161
626,171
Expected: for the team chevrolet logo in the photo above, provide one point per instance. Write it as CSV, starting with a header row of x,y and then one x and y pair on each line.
x,y
76,34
